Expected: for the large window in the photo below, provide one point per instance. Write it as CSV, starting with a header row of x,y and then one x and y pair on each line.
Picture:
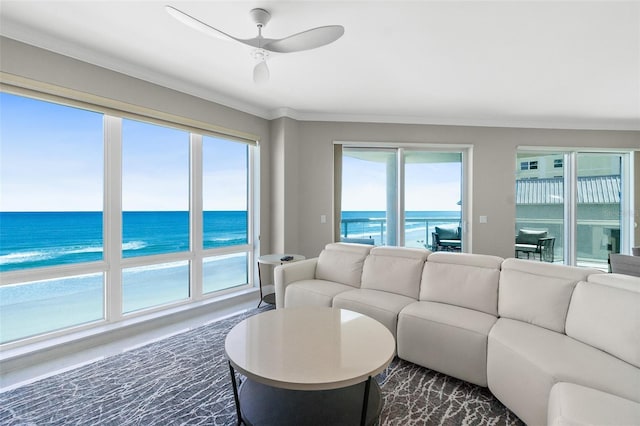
x,y
67,262
577,199
155,189
398,196
51,215
225,213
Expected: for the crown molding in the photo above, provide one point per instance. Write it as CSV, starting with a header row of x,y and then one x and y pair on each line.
x,y
560,123
35,37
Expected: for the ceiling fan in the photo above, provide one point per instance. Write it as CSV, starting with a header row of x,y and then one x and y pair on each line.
x,y
305,40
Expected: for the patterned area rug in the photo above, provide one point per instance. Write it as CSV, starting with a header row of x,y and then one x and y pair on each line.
x,y
184,379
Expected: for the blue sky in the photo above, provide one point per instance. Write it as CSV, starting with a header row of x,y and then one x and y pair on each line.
x,y
44,149
51,159
428,186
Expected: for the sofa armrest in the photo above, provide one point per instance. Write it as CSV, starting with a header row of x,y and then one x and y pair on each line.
x,y
291,272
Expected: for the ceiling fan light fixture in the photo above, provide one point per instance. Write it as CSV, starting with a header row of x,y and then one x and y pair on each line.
x,y
259,54
261,73
260,70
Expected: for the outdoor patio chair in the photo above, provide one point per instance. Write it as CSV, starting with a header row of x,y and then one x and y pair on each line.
x,y
533,242
446,239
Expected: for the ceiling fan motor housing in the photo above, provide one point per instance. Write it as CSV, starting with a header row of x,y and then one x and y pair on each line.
x,y
260,16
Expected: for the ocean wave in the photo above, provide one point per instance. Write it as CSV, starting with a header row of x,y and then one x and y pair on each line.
x,y
53,253
175,266
26,256
225,239
224,257
90,249
134,245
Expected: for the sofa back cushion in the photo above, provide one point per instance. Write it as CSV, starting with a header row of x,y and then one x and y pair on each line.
x,y
607,316
342,263
461,279
394,269
538,292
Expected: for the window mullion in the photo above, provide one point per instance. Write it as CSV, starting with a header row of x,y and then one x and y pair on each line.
x,y
113,216
400,189
196,216
570,207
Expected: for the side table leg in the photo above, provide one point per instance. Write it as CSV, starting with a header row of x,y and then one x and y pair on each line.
x,y
365,403
235,393
259,284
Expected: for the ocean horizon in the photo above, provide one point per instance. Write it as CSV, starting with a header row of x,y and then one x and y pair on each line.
x,y
42,239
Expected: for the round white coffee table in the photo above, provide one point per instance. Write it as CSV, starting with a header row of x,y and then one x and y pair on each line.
x,y
274,259
308,365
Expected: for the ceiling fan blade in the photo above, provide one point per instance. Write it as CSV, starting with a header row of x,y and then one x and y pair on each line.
x,y
261,73
306,40
198,25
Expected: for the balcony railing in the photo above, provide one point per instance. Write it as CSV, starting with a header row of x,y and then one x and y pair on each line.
x,y
417,229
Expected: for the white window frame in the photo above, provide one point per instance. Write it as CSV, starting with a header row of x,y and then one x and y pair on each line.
x,y
112,264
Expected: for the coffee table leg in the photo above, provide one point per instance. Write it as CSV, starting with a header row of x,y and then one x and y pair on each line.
x,y
365,403
235,393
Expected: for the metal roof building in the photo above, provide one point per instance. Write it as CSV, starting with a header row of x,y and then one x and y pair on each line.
x,y
591,190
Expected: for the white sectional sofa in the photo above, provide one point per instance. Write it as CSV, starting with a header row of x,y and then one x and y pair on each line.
x,y
556,344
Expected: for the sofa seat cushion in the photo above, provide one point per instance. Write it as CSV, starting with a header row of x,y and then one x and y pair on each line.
x,y
376,304
446,338
524,361
571,404
313,293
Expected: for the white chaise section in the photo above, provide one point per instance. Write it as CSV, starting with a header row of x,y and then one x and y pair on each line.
x,y
571,404
315,282
447,329
527,349
390,281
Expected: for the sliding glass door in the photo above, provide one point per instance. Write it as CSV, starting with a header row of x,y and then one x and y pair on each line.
x,y
369,196
398,196
432,197
598,207
540,202
577,199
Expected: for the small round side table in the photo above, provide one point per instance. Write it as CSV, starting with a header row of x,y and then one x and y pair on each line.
x,y
273,259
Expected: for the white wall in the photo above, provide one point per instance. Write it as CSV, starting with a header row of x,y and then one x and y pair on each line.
x,y
494,151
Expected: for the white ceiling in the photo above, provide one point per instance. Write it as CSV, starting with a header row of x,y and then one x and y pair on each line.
x,y
528,64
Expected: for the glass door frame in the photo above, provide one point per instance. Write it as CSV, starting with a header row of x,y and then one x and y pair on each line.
x,y
466,151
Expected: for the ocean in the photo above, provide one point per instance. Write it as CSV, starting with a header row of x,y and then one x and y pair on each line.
x,y
39,239
45,239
